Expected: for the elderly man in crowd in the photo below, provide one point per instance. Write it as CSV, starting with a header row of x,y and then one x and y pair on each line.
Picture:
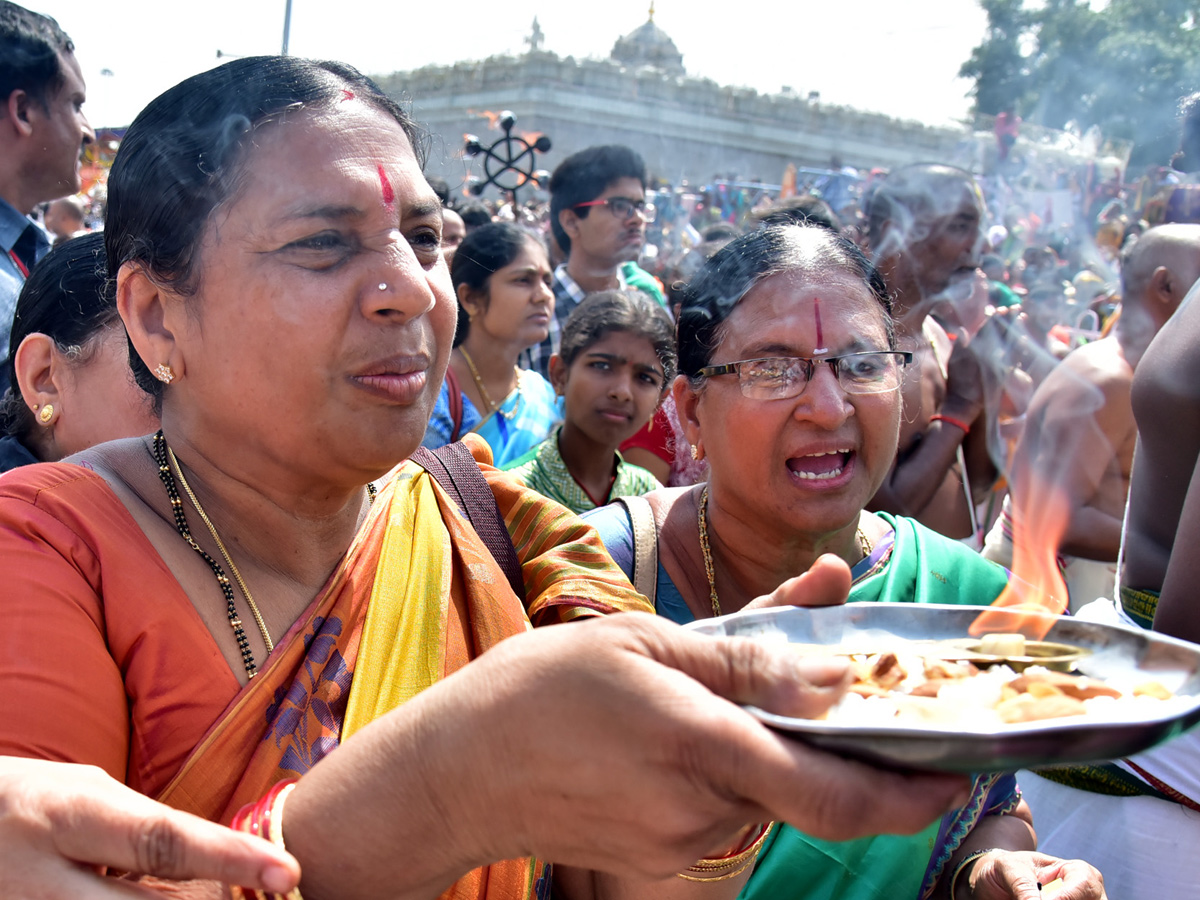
x,y
1080,431
64,219
925,236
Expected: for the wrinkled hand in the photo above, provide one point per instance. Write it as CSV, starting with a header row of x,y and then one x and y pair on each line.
x,y
62,824
1011,875
644,761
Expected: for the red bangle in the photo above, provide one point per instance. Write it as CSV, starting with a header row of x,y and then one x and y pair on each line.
x,y
263,818
959,423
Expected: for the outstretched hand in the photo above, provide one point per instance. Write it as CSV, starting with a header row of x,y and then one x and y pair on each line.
x,y
826,583
62,825
644,760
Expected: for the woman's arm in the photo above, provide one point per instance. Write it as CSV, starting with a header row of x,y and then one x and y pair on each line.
x,y
614,745
566,570
63,697
1012,869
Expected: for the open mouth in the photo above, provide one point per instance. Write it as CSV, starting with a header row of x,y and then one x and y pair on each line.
x,y
826,466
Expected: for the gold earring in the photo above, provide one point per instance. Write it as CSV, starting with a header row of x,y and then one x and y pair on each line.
x,y
164,373
696,453
46,414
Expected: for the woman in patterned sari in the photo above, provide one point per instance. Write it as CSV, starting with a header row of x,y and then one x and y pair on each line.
x,y
211,612
789,389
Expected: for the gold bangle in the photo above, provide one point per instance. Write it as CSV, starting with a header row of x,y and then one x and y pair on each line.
x,y
966,862
708,878
276,831
723,868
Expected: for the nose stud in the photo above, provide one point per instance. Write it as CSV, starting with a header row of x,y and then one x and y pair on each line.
x,y
383,286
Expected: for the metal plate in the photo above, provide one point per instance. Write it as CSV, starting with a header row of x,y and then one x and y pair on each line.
x,y
1115,653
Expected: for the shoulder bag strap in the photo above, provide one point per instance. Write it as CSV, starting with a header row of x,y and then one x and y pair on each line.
x,y
455,469
645,545
454,395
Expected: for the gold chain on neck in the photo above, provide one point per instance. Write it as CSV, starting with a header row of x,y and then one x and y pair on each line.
x,y
706,551
483,392
237,576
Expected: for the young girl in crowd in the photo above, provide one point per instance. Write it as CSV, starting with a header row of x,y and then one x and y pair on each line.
x,y
501,276
615,362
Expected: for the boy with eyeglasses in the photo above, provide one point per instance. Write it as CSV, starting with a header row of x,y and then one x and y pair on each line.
x,y
598,213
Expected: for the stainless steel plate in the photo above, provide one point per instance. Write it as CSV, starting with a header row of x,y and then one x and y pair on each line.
x,y
1115,653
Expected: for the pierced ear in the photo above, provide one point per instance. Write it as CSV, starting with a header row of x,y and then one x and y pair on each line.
x,y
687,401
39,368
558,374
151,317
466,300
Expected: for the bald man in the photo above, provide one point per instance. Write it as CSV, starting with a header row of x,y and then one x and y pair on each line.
x,y
1077,447
925,236
64,219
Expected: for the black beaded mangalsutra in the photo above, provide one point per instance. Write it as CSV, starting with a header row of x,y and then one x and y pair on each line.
x,y
162,456
235,621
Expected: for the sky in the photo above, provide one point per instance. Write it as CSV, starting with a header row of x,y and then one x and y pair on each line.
x,y
899,58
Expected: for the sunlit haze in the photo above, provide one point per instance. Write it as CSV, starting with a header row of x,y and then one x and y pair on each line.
x,y
901,59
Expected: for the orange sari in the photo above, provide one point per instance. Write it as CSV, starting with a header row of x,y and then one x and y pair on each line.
x,y
293,713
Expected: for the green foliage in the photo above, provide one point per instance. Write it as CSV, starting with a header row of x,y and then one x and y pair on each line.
x,y
997,66
1123,66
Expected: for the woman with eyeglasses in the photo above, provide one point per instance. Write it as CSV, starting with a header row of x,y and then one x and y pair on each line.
x,y
789,389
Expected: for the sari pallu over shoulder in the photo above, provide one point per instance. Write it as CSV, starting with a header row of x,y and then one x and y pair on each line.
x,y
341,665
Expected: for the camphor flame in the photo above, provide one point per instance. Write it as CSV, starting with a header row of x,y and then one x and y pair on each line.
x,y
1036,586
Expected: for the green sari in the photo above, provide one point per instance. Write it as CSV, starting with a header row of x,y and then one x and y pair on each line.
x,y
912,565
922,567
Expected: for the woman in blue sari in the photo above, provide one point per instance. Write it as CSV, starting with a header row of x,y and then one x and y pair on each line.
x,y
501,275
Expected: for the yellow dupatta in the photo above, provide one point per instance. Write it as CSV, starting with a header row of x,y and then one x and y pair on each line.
x,y
416,562
417,597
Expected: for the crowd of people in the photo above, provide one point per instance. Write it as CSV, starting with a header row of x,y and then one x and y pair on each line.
x,y
326,494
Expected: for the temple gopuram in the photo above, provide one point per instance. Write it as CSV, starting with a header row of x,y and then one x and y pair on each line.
x,y
688,129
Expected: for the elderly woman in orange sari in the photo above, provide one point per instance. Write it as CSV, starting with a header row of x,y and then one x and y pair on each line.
x,y
227,616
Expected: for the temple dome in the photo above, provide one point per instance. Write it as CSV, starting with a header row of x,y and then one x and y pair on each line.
x,y
649,45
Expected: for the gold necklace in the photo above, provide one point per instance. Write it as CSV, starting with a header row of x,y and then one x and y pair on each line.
x,y
863,544
262,626
483,392
706,552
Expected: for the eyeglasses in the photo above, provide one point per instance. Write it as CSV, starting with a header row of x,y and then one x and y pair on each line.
x,y
783,377
623,208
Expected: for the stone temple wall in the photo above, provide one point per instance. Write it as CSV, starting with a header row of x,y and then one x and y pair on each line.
x,y
686,128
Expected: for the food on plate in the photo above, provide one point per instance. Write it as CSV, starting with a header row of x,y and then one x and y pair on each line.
x,y
912,688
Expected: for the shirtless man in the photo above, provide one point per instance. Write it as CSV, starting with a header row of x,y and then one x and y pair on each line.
x,y
1164,499
1080,431
1141,815
925,236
